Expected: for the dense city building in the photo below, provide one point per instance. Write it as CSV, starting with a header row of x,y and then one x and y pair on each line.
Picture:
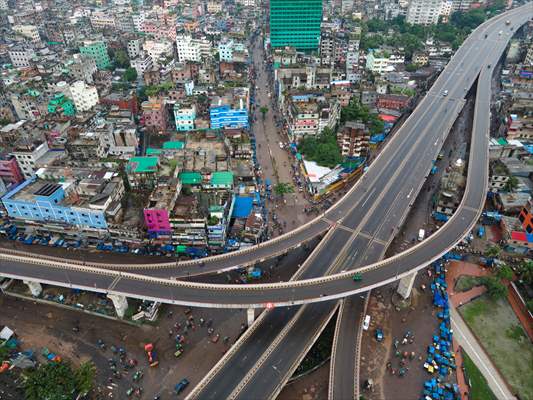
x,y
295,23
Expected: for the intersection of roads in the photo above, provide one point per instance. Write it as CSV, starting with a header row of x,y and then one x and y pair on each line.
x,y
357,231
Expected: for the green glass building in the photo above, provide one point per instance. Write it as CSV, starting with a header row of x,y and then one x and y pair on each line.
x,y
98,51
295,23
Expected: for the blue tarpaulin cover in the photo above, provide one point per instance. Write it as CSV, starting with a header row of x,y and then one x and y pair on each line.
x,y
242,207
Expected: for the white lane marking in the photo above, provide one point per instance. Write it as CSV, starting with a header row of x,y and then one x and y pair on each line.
x,y
368,197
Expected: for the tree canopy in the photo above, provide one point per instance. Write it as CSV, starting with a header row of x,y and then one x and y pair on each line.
x,y
58,381
322,149
281,189
131,74
495,288
355,111
120,58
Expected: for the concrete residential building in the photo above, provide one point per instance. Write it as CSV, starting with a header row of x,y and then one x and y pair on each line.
x,y
424,12
247,3
28,156
190,49
83,67
21,57
84,96
214,6
380,62
184,116
158,49
142,63
134,48
98,51
44,201
155,115
353,139
227,48
10,172
29,31
230,110
295,23
102,20
461,5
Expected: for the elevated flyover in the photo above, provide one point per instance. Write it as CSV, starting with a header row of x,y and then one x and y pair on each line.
x,y
376,190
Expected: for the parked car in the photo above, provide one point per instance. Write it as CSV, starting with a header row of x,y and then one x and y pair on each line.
x,y
366,323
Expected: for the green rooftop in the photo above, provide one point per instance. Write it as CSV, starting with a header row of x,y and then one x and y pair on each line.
x,y
502,141
190,178
142,164
222,179
173,145
151,151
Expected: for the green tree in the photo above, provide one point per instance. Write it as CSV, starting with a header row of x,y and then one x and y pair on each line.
x,y
525,271
505,273
411,67
121,59
53,381
493,251
263,111
468,20
377,25
323,149
495,288
376,124
84,376
281,189
355,111
131,74
371,42
511,184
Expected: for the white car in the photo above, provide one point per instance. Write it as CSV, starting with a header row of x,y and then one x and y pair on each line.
x,y
366,323
281,146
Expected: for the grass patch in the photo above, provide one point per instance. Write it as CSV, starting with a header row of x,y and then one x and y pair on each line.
x,y
467,282
515,333
499,331
479,388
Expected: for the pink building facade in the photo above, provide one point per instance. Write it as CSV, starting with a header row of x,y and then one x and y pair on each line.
x,y
157,220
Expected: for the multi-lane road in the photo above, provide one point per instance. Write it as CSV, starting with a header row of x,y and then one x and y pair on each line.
x,y
367,216
259,365
358,229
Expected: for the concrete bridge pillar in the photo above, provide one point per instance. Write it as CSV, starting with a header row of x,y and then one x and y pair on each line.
x,y
120,303
35,288
405,285
250,313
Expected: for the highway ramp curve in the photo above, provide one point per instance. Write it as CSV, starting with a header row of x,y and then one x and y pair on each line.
x,y
68,274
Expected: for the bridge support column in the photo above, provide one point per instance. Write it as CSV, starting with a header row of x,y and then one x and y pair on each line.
x,y
250,313
35,288
405,285
120,303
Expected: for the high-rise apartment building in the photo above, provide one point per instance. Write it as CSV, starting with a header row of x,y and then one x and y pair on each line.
x,y
424,12
98,51
295,23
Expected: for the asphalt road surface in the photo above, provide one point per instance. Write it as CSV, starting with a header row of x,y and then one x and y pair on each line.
x,y
387,187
